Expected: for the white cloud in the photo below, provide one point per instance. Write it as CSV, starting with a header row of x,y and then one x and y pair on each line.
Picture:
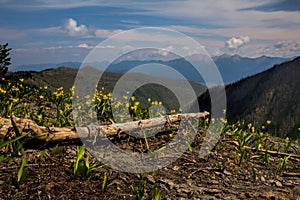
x,y
102,33
236,42
283,48
84,45
72,29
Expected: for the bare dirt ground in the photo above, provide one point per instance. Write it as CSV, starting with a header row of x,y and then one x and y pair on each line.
x,y
218,176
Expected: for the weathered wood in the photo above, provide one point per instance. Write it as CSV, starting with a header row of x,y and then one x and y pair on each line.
x,y
65,134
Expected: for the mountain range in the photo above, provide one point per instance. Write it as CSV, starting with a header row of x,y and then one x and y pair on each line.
x,y
232,67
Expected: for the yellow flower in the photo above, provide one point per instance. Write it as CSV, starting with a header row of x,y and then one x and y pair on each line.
x,y
132,98
14,88
21,79
269,122
15,100
2,91
40,116
149,99
160,103
45,87
223,120
263,127
206,120
261,134
118,104
27,115
287,139
67,106
60,88
41,96
136,103
87,96
125,97
173,111
298,129
213,120
249,125
252,129
88,103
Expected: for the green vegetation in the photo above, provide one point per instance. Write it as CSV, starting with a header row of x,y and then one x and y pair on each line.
x,y
22,171
282,165
4,59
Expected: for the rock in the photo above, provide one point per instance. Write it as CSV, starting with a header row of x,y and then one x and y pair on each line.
x,y
262,179
227,173
278,184
183,190
150,179
175,168
168,182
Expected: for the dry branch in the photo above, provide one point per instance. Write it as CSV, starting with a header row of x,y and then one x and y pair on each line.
x,y
274,153
65,134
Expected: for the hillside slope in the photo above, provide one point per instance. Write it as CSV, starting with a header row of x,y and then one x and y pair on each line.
x,y
64,76
271,95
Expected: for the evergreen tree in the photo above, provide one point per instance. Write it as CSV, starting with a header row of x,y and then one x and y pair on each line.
x,y
4,59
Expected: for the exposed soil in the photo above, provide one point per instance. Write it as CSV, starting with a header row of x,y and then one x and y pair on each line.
x,y
189,177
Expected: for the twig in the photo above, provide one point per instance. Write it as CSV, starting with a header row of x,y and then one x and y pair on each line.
x,y
274,153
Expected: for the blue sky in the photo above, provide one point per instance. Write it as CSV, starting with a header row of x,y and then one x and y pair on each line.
x,y
43,31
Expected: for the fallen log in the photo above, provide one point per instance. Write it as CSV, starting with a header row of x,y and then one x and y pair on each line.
x,y
56,134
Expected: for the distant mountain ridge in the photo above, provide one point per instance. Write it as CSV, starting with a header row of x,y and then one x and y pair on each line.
x,y
235,67
232,67
41,67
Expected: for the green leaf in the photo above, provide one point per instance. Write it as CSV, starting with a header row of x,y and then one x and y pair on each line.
x,y
255,156
16,130
80,154
104,181
43,153
22,170
6,142
54,150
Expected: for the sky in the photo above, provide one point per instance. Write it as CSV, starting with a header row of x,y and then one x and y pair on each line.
x,y
43,31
